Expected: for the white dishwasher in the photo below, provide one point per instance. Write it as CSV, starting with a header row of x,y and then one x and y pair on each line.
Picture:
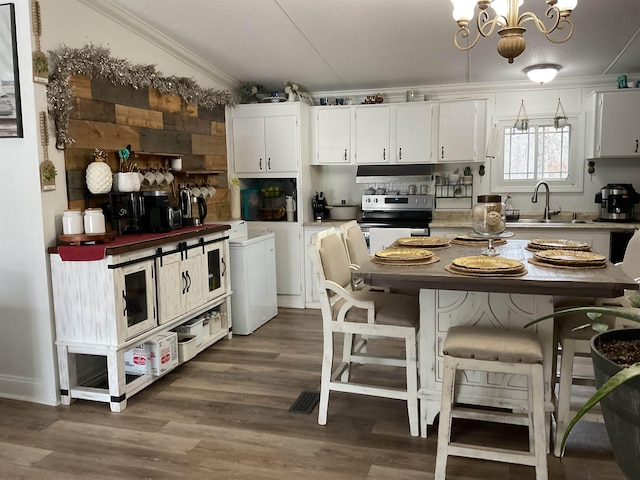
x,y
253,278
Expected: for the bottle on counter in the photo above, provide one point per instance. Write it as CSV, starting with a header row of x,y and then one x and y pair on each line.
x,y
94,221
72,223
508,203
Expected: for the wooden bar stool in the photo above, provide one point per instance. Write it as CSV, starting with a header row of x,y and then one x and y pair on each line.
x,y
499,351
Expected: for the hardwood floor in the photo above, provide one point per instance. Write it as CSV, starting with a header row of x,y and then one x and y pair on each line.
x,y
224,415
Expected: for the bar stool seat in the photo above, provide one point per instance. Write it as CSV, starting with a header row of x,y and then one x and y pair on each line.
x,y
499,351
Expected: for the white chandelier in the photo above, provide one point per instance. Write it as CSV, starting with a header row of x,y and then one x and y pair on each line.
x,y
509,23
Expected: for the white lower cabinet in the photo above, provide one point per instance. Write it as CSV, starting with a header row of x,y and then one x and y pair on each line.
x,y
155,289
289,272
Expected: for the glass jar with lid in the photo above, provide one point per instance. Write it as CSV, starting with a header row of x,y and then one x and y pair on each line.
x,y
72,223
488,217
94,221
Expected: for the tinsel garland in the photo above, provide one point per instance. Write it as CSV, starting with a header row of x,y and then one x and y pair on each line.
x,y
96,62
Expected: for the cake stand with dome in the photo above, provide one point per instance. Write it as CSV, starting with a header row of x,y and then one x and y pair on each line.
x,y
488,221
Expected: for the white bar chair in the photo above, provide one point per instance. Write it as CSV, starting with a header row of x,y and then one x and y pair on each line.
x,y
367,313
500,351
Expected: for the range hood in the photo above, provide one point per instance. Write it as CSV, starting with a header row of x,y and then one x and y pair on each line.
x,y
393,173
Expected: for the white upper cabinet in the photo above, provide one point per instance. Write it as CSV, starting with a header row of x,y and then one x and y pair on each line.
x,y
331,135
617,129
459,131
372,134
413,133
264,139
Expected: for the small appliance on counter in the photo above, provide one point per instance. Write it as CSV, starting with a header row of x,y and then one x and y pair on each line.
x,y
158,216
319,205
194,208
125,211
617,202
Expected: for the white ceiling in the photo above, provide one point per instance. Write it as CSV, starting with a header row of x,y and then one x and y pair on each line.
x,y
336,45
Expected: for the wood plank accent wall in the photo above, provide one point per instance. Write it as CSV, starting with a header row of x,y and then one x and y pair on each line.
x,y
158,127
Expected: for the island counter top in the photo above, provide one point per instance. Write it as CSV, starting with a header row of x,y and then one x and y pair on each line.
x,y
608,282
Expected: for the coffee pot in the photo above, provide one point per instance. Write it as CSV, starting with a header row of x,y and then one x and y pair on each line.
x,y
193,207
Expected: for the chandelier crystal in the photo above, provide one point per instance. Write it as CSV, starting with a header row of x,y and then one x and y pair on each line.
x,y
509,23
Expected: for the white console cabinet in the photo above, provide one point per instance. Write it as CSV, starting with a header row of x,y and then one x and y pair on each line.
x,y
105,307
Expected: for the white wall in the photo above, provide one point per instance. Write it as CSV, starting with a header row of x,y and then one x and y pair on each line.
x,y
27,368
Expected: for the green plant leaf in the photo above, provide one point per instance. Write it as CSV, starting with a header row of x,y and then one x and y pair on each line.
x,y
629,313
609,386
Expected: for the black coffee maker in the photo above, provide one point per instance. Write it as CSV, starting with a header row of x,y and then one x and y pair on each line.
x,y
319,205
124,211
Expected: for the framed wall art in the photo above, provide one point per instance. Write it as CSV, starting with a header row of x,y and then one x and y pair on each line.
x,y
10,112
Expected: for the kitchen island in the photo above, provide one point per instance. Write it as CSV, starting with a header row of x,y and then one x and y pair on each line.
x,y
448,299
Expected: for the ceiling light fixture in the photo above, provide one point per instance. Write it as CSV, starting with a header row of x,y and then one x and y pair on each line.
x,y
543,73
509,23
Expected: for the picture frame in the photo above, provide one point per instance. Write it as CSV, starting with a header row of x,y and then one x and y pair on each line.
x,y
10,111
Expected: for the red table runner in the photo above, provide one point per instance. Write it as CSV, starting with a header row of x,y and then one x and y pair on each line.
x,y
96,251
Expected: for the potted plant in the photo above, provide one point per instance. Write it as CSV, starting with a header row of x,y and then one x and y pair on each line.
x,y
618,385
560,119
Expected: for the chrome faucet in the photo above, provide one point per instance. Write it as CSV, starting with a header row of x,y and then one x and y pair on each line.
x,y
534,199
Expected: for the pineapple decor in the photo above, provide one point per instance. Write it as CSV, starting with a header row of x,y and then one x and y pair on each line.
x,y
99,177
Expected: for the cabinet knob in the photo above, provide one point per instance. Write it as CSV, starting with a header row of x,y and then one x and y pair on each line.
x,y
269,163
636,145
400,154
260,164
384,153
442,153
345,154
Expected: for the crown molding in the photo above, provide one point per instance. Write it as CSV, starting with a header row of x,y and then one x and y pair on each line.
x,y
115,13
476,90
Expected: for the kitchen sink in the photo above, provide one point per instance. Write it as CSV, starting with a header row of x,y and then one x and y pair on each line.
x,y
541,222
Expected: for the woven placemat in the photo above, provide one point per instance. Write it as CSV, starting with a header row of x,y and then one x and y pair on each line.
x,y
452,269
426,261
538,263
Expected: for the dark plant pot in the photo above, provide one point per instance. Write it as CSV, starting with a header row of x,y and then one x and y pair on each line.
x,y
621,408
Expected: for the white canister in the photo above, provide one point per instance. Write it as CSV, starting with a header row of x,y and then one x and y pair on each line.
x,y
72,222
94,221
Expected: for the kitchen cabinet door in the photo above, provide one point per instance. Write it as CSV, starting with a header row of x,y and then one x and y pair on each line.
x,y
289,258
249,145
180,283
459,131
372,134
265,144
332,136
413,133
171,287
215,279
618,129
135,297
281,143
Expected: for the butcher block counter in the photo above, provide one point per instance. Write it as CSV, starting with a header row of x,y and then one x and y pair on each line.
x,y
119,306
448,299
